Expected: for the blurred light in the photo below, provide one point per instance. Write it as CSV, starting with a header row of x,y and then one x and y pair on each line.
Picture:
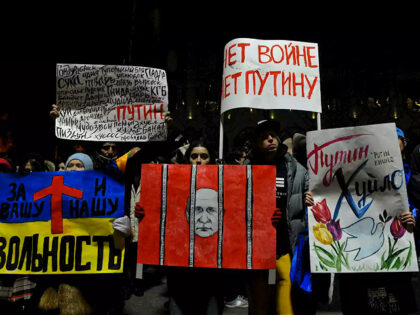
x,y
313,115
272,115
251,110
355,115
228,116
190,116
395,115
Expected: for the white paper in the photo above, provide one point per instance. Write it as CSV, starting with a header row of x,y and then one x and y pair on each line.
x,y
111,103
271,74
357,179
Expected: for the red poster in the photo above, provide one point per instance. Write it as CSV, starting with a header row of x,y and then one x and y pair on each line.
x,y
215,216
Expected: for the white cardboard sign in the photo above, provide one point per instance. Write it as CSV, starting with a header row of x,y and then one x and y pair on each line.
x,y
111,103
271,74
357,179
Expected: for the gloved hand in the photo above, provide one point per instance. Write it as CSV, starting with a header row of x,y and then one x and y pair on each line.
x,y
276,217
139,211
122,225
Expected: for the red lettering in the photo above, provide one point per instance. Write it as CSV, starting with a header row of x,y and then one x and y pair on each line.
x,y
275,75
298,55
272,54
119,108
328,161
243,46
311,86
138,107
226,86
160,111
247,80
285,81
296,83
262,81
290,55
231,55
235,77
310,57
130,110
260,52
147,112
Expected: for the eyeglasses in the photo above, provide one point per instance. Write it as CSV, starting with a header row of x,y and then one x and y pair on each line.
x,y
203,156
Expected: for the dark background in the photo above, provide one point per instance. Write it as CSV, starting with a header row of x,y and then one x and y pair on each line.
x,y
362,54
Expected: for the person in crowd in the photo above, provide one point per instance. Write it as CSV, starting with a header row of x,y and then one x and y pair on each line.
x,y
236,280
414,183
61,166
49,166
193,291
16,292
32,162
376,293
288,218
79,162
299,148
6,141
237,155
85,294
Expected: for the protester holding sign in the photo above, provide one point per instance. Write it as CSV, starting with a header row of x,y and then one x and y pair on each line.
x,y
83,294
291,185
198,290
361,224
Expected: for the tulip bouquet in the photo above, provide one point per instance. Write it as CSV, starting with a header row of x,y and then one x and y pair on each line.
x,y
395,259
328,232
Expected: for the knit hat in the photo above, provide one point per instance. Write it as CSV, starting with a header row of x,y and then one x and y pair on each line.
x,y
400,133
84,158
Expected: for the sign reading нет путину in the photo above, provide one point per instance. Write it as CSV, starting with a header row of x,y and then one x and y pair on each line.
x,y
271,74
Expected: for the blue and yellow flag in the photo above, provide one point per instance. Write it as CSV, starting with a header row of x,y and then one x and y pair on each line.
x,y
60,223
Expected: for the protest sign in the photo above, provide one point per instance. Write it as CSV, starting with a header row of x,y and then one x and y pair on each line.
x,y
208,216
59,223
111,103
356,176
271,74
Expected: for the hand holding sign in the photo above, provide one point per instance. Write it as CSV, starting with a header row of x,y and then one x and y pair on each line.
x,y
139,211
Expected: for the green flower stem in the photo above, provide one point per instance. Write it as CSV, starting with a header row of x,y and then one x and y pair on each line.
x,y
341,254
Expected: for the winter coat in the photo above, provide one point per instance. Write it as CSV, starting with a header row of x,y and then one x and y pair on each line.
x,y
297,185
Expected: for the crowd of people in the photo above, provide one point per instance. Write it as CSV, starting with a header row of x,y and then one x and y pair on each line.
x,y
106,294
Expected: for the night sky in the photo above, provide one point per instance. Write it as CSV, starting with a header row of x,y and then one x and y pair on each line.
x,y
361,49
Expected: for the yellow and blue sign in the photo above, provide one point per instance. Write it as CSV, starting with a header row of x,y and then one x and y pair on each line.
x,y
60,223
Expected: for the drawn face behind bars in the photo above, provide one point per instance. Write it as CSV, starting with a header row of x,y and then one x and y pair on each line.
x,y
206,212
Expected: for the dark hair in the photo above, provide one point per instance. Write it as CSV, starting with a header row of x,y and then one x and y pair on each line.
x,y
36,160
199,143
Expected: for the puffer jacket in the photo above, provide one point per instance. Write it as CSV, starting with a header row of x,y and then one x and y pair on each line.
x,y
297,185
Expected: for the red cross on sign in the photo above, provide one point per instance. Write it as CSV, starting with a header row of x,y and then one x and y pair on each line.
x,y
57,189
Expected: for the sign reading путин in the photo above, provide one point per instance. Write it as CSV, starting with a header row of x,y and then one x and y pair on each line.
x,y
271,74
111,103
